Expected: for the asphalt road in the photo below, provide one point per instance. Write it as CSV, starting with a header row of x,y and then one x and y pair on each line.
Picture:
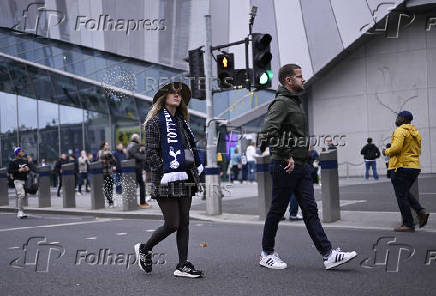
x,y
230,260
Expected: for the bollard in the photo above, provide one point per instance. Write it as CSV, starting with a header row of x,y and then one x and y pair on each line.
x,y
213,195
97,192
264,185
130,201
44,194
4,187
330,186
68,186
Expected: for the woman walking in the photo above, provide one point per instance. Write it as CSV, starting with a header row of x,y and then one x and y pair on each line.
x,y
109,162
235,166
83,171
175,166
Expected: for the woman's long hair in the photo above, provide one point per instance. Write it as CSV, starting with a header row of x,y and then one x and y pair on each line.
x,y
160,104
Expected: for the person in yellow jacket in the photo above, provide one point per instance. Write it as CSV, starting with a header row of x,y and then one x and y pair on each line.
x,y
404,168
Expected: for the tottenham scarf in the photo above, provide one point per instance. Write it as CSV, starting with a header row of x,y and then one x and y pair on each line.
x,y
173,152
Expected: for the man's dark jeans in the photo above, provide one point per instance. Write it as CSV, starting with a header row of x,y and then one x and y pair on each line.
x,y
300,183
402,180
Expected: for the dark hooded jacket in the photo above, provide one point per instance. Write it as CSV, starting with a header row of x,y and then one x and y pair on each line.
x,y
285,128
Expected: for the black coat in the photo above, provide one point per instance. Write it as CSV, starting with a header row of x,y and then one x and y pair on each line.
x,y
370,152
133,152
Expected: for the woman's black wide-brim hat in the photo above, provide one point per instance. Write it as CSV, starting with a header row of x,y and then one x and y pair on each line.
x,y
182,89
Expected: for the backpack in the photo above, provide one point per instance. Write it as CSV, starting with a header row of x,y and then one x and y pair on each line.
x,y
32,184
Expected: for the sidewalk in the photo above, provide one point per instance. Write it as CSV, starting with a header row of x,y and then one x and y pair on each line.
x,y
362,206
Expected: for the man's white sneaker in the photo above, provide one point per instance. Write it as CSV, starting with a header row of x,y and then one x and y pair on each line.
x,y
272,261
21,215
337,257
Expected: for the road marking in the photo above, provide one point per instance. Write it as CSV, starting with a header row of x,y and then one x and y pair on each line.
x,y
59,225
121,233
149,230
92,237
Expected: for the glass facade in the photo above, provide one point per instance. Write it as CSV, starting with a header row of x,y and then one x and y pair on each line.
x,y
48,113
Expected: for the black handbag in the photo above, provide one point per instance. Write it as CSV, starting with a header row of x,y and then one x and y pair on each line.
x,y
189,159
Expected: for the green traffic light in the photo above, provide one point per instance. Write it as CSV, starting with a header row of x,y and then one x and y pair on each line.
x,y
265,77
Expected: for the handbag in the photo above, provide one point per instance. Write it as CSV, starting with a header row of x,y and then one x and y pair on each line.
x,y
189,155
189,159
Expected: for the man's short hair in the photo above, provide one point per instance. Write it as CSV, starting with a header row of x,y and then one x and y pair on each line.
x,y
287,70
369,140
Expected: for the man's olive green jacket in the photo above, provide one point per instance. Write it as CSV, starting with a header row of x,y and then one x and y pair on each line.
x,y
285,128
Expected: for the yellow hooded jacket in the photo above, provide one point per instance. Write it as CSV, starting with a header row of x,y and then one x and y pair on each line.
x,y
405,148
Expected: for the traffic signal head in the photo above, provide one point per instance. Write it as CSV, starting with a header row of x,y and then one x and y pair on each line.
x,y
225,69
196,71
262,74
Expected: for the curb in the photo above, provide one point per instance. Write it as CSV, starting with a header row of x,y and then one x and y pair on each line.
x,y
87,213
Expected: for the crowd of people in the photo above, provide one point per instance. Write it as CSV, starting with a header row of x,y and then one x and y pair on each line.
x,y
175,165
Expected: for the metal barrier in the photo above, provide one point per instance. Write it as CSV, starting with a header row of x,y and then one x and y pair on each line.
x,y
68,186
44,194
264,185
330,186
95,171
4,187
130,201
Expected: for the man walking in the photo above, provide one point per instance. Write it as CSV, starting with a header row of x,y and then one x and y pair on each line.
x,y
251,161
136,152
370,153
119,156
18,169
58,170
405,167
291,172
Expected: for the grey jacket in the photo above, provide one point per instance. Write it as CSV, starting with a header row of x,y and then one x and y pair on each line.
x,y
83,164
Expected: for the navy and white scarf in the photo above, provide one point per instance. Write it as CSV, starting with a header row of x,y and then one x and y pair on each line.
x,y
173,153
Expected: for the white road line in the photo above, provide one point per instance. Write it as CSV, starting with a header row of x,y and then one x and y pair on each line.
x,y
121,233
92,237
149,230
59,225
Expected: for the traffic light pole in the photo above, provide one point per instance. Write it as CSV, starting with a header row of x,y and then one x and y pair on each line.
x,y
213,192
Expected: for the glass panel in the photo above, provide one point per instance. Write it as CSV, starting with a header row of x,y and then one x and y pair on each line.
x,y
28,123
48,131
5,81
121,105
65,91
8,127
41,83
92,97
97,130
19,79
71,130
143,108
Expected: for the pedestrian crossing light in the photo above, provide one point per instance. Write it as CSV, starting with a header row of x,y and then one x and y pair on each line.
x,y
262,74
225,69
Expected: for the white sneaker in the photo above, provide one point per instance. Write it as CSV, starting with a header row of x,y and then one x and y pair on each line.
x,y
296,217
272,261
337,257
21,215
